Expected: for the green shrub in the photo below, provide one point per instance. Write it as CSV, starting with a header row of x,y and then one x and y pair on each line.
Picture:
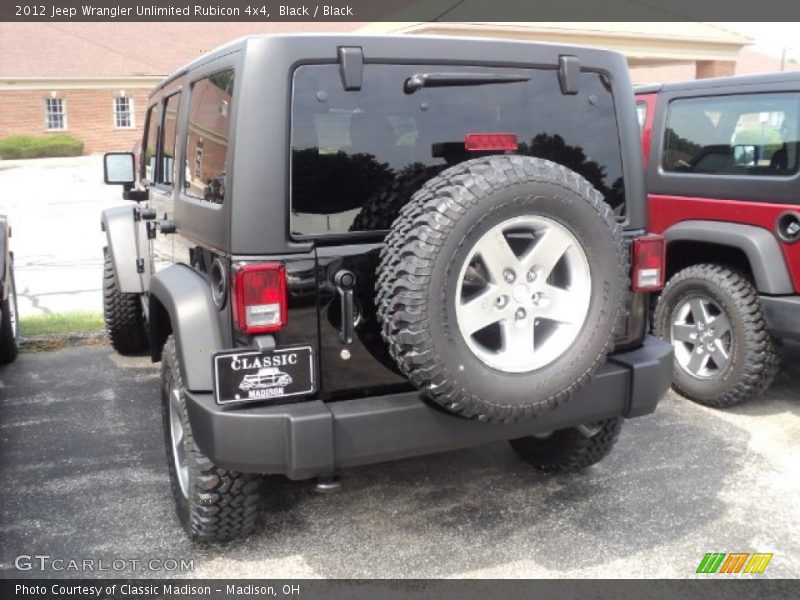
x,y
30,146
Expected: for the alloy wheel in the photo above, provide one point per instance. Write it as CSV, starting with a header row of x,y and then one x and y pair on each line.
x,y
523,294
701,336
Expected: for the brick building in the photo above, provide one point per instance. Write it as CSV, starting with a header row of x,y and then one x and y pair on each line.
x,y
656,51
748,62
91,80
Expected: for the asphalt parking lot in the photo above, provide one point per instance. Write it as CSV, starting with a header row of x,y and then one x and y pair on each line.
x,y
83,472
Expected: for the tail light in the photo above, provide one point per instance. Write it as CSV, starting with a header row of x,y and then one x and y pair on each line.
x,y
647,264
259,293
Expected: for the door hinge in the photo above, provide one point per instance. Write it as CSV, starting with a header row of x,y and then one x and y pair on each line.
x,y
569,74
351,67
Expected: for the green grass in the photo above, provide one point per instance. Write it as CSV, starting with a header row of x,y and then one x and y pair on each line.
x,y
74,322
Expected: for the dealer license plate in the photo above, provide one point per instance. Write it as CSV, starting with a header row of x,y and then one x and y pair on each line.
x,y
263,375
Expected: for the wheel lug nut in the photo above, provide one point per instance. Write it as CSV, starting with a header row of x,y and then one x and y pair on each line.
x,y
536,298
531,275
509,276
501,301
710,347
520,314
699,349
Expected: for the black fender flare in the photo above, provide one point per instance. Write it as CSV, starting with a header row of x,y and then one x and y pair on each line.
x,y
119,224
185,297
761,247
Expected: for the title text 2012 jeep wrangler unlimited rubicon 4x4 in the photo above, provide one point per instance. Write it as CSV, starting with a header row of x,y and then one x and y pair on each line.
x,y
430,243
724,188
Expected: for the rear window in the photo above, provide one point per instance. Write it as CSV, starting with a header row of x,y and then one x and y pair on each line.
x,y
355,152
752,134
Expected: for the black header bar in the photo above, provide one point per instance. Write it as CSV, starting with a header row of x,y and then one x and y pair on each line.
x,y
714,587
399,10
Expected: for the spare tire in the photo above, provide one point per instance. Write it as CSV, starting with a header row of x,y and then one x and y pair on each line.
x,y
499,286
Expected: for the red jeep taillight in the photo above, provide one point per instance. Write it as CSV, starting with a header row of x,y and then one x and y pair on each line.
x,y
647,264
259,293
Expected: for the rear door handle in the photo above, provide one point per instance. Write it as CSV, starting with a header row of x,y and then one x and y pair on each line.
x,y
345,281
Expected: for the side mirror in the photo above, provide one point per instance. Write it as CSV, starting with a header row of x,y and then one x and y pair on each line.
x,y
119,169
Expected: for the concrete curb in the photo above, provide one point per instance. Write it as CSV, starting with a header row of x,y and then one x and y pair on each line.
x,y
38,343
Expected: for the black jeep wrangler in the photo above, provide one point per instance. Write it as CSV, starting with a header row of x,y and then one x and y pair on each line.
x,y
352,249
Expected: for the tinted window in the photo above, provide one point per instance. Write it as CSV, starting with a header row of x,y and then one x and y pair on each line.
x,y
169,133
207,138
150,143
755,134
358,156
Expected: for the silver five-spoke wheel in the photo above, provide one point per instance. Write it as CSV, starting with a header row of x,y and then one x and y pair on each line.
x,y
701,335
176,436
523,294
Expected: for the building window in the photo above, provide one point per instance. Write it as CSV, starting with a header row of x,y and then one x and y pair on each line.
x,y
123,113
198,158
55,114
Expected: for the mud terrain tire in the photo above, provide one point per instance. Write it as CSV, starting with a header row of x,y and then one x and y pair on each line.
x,y
435,249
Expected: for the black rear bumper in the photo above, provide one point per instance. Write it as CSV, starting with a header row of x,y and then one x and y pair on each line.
x,y
311,439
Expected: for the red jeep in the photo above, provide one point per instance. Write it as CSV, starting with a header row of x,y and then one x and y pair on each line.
x,y
723,187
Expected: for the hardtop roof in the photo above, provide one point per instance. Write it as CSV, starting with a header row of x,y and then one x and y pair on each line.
x,y
716,82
